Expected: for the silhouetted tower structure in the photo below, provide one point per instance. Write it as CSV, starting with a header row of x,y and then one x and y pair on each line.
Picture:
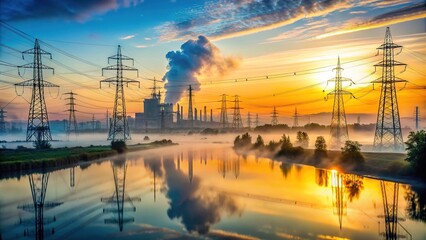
x,y
205,113
274,116
416,117
72,177
190,165
295,118
38,122
120,201
211,115
388,135
2,121
237,121
119,129
38,185
390,192
338,126
107,119
338,195
256,122
223,113
93,123
190,113
249,120
72,121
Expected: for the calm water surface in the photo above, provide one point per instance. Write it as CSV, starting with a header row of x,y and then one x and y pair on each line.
x,y
208,191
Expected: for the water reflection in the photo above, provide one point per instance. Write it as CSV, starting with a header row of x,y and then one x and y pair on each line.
x,y
212,192
198,208
416,203
120,202
35,226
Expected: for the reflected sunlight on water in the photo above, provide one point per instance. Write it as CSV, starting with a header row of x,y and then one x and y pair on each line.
x,y
206,191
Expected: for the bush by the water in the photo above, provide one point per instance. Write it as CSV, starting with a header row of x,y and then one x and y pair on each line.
x,y
209,131
242,141
416,152
351,152
43,144
119,146
320,148
259,144
302,139
163,141
287,148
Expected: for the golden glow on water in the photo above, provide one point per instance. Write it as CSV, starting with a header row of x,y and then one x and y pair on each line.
x,y
213,191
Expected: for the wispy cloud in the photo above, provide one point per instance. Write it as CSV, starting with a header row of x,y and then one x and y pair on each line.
x,y
412,12
128,37
358,12
141,46
66,9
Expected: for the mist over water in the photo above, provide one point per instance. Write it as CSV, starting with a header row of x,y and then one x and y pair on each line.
x,y
206,190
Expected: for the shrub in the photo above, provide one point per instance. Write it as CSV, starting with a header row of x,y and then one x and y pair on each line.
x,y
416,152
320,148
287,148
272,146
119,146
42,144
351,152
243,141
259,143
302,139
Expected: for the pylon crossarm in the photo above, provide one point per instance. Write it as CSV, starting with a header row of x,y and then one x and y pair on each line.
x,y
386,64
40,51
122,57
123,67
30,83
388,45
32,65
343,79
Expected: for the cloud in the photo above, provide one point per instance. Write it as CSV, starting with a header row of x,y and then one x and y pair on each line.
x,y
308,30
412,12
197,207
195,57
228,18
358,12
153,163
141,46
67,9
128,37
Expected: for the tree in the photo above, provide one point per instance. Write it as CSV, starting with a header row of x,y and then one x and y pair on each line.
x,y
351,152
302,139
416,152
259,143
320,148
243,141
287,148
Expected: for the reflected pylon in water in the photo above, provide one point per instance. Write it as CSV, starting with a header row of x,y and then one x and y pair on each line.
x,y
119,198
236,166
38,184
223,165
190,165
72,177
390,192
338,195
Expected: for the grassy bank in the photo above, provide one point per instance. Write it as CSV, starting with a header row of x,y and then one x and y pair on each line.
x,y
27,160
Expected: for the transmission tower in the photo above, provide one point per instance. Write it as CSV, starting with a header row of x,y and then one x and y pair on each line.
x,y
223,113
38,122
237,121
388,135
256,122
72,122
2,121
249,120
274,116
390,208
338,127
296,118
416,117
119,129
120,201
38,185
190,112
338,195
190,165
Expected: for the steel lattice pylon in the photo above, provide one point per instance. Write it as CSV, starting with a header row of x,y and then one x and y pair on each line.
x,y
38,121
38,184
119,129
190,110
338,126
296,118
388,135
274,116
237,121
2,121
223,113
72,121
119,198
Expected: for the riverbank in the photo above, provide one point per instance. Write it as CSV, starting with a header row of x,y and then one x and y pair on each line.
x,y
384,166
23,161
